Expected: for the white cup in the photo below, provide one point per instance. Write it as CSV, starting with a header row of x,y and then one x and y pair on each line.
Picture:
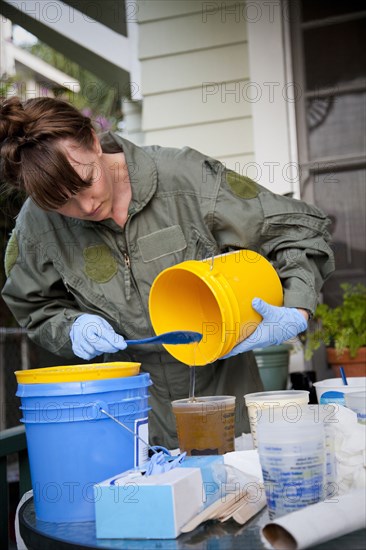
x,y
293,461
356,401
262,404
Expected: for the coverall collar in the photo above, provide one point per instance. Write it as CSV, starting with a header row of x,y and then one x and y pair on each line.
x,y
141,169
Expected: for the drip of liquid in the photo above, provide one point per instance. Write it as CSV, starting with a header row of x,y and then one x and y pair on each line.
x,y
192,382
192,375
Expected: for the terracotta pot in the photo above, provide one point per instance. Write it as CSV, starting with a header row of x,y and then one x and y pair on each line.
x,y
352,366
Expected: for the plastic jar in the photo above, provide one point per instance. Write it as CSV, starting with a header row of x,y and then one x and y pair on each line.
x,y
293,458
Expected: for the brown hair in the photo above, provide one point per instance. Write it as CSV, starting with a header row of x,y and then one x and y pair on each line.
x,y
31,156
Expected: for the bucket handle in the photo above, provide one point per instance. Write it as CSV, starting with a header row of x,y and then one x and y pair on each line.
x,y
155,449
212,258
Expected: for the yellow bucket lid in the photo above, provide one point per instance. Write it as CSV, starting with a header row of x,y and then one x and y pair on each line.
x,y
77,373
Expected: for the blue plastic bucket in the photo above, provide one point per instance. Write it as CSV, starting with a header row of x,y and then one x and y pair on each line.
x,y
72,445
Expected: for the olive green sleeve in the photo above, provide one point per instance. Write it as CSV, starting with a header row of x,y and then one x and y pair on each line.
x,y
292,234
295,238
37,298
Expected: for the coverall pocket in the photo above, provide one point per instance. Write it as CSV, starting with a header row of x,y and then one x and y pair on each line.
x,y
200,247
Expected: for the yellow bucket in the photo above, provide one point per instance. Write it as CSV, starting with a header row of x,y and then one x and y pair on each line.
x,y
77,373
214,297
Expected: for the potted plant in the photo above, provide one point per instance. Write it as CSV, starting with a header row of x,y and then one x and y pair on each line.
x,y
343,330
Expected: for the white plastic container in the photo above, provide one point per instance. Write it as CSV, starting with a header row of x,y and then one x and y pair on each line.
x,y
336,385
261,405
357,402
293,461
327,415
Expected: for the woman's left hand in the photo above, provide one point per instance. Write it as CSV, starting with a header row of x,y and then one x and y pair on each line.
x,y
278,325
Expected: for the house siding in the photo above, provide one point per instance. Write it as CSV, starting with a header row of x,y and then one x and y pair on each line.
x,y
195,78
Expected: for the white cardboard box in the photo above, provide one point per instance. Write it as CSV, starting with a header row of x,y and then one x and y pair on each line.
x,y
132,505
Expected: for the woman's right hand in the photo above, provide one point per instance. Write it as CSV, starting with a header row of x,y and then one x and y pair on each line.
x,y
92,335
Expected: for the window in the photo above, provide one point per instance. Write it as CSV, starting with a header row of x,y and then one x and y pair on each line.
x,y
330,70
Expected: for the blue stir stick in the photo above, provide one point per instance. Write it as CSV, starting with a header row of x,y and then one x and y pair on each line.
x,y
175,337
344,378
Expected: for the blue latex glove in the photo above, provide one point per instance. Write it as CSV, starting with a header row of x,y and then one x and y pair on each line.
x,y
278,325
92,335
160,463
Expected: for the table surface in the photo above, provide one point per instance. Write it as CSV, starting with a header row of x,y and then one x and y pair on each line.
x,y
209,536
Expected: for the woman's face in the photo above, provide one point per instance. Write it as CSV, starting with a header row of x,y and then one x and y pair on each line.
x,y
93,203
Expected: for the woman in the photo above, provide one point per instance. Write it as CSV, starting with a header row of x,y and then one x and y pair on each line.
x,y
104,217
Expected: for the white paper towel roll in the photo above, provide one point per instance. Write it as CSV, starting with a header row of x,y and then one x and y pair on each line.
x,y
318,523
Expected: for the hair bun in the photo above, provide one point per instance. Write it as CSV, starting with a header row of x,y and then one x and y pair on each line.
x,y
13,119
13,126
30,132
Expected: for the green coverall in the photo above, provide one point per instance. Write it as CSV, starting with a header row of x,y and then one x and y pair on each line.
x,y
184,205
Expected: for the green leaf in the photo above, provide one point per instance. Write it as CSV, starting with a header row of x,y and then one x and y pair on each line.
x,y
343,326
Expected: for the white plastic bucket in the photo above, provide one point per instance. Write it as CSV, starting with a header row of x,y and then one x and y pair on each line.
x,y
336,389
